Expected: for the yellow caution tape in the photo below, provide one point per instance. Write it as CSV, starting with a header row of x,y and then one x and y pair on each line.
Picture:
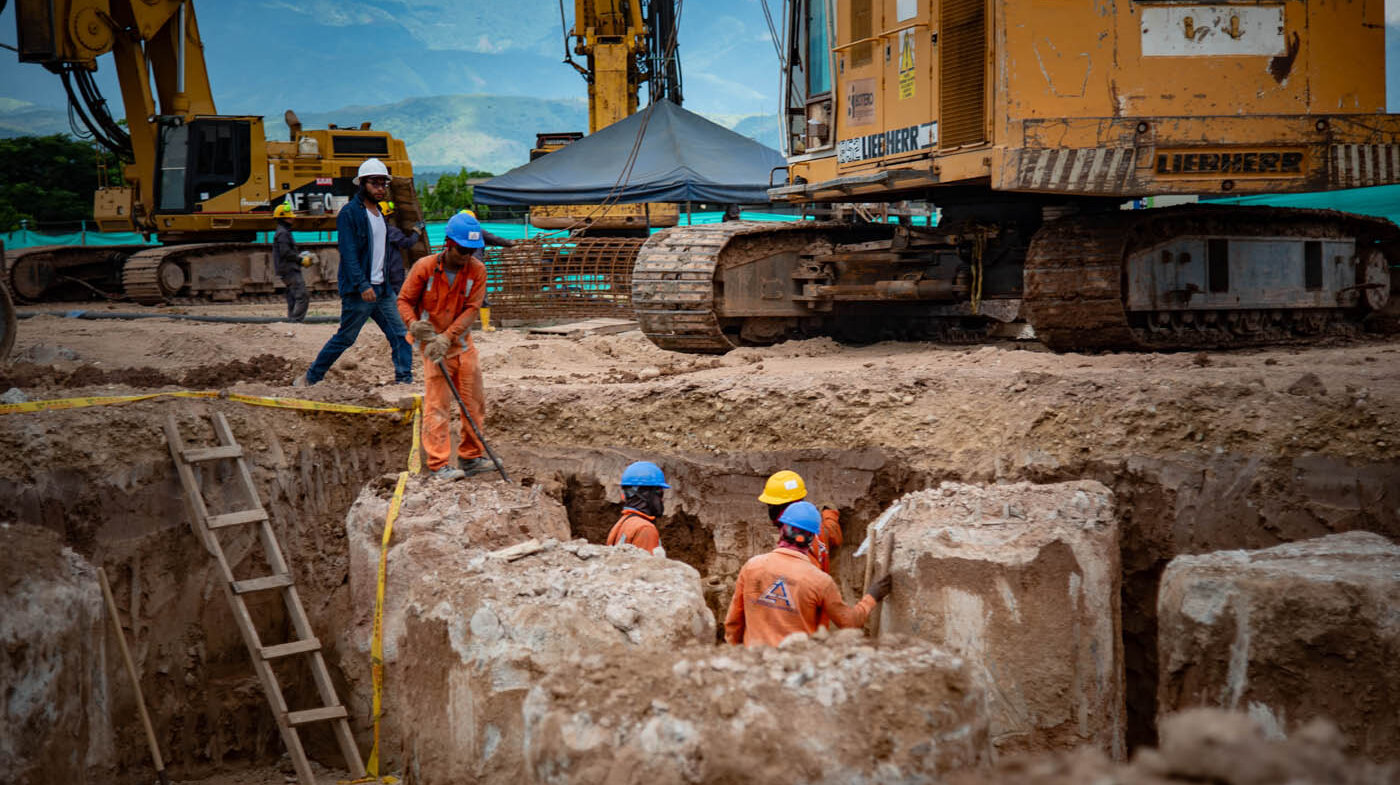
x,y
101,400
376,650
415,463
255,400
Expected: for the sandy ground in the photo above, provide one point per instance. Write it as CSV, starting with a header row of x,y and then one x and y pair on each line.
x,y
975,402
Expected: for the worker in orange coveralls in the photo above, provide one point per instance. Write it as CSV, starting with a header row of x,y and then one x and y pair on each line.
x,y
439,301
643,489
782,592
786,487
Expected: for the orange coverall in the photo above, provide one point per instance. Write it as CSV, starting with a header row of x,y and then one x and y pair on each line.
x,y
782,592
450,307
635,528
829,539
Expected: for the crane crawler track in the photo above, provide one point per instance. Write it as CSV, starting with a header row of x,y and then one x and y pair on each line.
x,y
674,290
1075,275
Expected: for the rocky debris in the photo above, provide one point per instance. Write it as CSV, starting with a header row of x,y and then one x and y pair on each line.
x,y
1288,634
55,707
1022,580
469,630
14,395
1308,384
836,710
1198,746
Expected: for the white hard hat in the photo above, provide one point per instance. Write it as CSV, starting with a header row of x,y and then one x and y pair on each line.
x,y
371,168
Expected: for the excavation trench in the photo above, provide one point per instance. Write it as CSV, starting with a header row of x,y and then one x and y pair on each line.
x,y
104,484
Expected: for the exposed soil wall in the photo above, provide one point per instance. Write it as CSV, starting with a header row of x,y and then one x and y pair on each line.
x,y
101,480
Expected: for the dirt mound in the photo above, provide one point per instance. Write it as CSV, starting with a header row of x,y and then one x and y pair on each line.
x,y
1203,746
1267,631
55,714
1023,581
468,631
838,710
262,368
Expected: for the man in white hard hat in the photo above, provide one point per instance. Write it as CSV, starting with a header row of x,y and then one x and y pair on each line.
x,y
365,292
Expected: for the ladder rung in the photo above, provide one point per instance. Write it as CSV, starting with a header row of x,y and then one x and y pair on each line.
x,y
235,518
260,584
308,716
195,454
288,649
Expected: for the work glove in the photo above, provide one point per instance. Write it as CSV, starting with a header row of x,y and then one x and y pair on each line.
x,y
880,589
436,349
419,227
422,331
306,258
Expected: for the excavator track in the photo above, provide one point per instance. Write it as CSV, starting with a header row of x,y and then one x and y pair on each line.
x,y
1075,273
161,275
674,289
51,272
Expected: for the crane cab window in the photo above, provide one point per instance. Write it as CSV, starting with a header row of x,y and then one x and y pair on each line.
x,y
200,160
818,49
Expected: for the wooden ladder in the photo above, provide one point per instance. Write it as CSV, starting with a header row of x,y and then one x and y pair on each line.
x,y
280,578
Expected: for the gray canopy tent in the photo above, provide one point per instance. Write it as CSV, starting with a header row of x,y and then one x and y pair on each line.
x,y
682,157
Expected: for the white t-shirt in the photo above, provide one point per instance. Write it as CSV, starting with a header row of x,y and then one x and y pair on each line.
x,y
377,234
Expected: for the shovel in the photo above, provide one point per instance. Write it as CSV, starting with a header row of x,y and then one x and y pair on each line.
x,y
442,366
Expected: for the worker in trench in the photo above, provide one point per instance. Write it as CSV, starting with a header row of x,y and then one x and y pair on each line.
x,y
643,491
439,300
782,490
782,592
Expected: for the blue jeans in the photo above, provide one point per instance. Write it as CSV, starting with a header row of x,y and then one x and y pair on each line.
x,y
354,312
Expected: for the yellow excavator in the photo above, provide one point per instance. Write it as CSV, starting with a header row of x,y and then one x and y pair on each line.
x,y
204,184
624,44
1028,126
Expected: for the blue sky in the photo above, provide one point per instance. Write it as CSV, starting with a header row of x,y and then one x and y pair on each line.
x,y
265,56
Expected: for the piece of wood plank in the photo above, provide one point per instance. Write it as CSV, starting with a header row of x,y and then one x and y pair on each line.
x,y
197,454
308,716
290,649
587,327
237,518
519,550
262,584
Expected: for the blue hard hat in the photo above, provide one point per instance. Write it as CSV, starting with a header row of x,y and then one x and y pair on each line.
x,y
643,474
802,515
464,230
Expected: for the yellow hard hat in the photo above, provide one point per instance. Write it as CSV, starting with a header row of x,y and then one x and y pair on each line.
x,y
283,210
387,208
783,487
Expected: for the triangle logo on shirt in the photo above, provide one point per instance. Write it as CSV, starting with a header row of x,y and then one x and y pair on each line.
x,y
776,596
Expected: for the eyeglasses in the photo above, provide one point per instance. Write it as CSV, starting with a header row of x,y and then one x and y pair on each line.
x,y
382,182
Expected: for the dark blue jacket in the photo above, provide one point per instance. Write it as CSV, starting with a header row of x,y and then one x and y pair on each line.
x,y
394,272
353,237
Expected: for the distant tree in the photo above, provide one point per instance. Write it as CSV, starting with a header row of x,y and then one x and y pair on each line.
x,y
452,193
50,179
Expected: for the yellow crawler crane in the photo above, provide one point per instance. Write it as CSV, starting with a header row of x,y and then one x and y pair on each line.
x,y
203,183
623,43
1029,124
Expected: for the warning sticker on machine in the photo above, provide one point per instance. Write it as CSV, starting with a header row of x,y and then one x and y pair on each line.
x,y
894,142
906,64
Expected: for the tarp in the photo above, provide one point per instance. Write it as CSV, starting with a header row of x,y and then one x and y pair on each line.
x,y
682,157
1382,201
437,232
